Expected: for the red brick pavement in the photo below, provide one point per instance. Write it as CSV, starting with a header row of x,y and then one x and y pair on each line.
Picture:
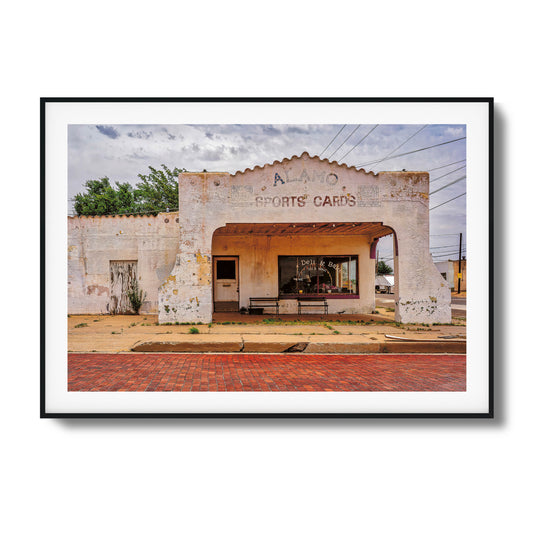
x,y
265,372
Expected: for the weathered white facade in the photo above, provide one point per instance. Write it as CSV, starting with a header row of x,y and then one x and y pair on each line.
x,y
96,243
295,207
235,233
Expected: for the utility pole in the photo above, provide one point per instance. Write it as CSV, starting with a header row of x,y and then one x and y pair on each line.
x,y
459,276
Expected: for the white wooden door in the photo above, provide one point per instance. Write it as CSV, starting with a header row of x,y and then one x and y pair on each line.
x,y
226,283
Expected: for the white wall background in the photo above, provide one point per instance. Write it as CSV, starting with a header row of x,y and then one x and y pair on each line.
x,y
349,475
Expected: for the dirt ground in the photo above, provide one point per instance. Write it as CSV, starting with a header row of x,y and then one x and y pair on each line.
x,y
119,333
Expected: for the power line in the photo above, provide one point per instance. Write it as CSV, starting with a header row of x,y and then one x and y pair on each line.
x,y
447,174
397,148
440,247
332,140
448,201
448,165
463,249
354,147
357,127
438,254
413,151
453,254
449,185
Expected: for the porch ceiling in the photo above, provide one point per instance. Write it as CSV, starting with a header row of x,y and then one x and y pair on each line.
x,y
371,229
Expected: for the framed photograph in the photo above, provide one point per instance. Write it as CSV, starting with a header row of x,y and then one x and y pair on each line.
x,y
266,257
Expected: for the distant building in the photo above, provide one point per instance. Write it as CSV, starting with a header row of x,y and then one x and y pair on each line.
x,y
385,284
449,270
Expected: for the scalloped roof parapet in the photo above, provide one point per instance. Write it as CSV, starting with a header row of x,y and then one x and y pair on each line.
x,y
304,155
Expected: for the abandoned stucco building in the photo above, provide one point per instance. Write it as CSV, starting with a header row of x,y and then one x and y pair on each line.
x,y
301,229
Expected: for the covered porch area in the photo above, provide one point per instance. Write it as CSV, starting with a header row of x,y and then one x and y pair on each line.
x,y
301,269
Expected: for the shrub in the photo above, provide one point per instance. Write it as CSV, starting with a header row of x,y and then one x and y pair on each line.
x,y
137,296
194,330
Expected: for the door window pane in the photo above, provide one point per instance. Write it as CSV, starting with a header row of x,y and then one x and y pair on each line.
x,y
225,268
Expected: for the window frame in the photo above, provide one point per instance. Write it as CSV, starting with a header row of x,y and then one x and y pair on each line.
x,y
329,296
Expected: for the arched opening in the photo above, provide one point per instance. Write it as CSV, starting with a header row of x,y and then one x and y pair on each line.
x,y
296,268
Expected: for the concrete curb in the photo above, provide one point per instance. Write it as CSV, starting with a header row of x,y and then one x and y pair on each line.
x,y
413,347
188,347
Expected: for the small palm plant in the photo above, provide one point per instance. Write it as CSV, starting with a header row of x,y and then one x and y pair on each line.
x,y
137,296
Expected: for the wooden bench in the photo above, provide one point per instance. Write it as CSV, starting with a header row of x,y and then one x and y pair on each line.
x,y
260,303
303,303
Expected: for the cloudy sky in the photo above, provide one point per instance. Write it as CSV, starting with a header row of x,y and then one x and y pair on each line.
x,y
121,152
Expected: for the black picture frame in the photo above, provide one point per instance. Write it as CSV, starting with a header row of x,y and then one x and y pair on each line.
x,y
46,320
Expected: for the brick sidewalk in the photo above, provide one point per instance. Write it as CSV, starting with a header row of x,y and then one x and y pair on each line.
x,y
265,372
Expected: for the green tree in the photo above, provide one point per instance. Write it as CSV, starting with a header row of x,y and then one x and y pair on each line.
x,y
156,191
382,268
100,198
159,189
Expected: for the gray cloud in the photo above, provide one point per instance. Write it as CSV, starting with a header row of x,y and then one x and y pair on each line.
x,y
216,154
169,135
194,147
299,129
239,150
108,131
138,155
140,134
268,129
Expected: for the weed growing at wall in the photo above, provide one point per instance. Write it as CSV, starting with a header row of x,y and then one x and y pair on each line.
x,y
136,296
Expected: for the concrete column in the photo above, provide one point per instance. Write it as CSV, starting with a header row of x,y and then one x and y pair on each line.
x,y
421,292
397,280
187,293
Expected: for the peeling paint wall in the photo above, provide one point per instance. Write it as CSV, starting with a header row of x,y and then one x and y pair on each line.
x,y
304,189
93,242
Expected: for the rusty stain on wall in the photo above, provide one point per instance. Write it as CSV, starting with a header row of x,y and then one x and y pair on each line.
x,y
97,289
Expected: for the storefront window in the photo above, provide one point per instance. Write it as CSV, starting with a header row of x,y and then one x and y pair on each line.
x,y
318,275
